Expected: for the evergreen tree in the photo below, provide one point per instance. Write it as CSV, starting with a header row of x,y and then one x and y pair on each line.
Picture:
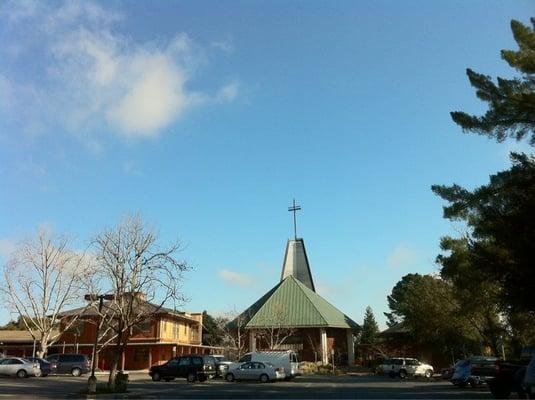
x,y
212,332
499,245
511,102
370,329
493,261
398,299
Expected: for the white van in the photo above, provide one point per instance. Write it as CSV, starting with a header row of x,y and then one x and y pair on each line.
x,y
286,359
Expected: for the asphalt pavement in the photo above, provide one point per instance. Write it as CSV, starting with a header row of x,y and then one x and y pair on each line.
x,y
305,387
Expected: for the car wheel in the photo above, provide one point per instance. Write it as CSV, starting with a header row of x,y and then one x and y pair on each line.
x,y
43,375
192,377
264,378
402,374
22,374
156,376
428,374
229,377
203,379
76,372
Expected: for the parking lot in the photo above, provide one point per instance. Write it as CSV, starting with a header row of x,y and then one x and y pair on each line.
x,y
312,386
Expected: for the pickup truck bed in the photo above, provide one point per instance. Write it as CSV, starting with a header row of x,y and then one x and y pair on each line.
x,y
509,379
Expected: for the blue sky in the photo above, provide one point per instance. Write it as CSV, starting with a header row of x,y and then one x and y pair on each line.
x,y
210,117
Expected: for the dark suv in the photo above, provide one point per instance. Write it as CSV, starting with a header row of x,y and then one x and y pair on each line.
x,y
74,364
192,367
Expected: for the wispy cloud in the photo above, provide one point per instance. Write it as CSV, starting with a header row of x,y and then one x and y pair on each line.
x,y
223,45
236,278
402,256
94,77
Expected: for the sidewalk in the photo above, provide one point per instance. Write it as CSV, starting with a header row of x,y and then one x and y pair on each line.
x,y
129,372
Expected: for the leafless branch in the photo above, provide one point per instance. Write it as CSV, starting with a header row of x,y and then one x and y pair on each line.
x,y
41,280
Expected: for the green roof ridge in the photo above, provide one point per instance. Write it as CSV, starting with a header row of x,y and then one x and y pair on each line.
x,y
311,295
303,307
301,285
281,285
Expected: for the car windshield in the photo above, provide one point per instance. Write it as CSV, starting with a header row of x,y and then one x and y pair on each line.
x,y
209,360
220,358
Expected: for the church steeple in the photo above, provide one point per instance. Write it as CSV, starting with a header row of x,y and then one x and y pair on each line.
x,y
296,263
295,259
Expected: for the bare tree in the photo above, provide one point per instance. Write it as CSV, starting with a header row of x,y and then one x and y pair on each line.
x,y
140,274
41,280
314,345
275,330
235,332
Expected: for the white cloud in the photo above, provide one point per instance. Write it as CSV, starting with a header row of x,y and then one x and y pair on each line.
x,y
153,99
402,256
236,278
94,77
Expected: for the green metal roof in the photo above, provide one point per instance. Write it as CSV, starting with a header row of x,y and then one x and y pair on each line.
x,y
292,304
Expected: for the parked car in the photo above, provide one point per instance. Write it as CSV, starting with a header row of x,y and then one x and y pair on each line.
x,y
484,367
43,364
19,367
404,367
287,360
447,373
192,367
510,375
222,365
463,375
257,371
73,364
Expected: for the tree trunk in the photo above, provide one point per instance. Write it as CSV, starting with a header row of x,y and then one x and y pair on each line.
x,y
42,349
117,354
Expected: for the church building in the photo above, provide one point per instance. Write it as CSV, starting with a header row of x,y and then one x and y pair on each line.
x,y
292,316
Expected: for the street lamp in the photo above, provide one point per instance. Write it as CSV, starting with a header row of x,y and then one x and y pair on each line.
x,y
92,381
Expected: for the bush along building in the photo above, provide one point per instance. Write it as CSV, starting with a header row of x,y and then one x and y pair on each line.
x,y
292,316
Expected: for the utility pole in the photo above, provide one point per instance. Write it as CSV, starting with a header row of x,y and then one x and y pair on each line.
x,y
92,381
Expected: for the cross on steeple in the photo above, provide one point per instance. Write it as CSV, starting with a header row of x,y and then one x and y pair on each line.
x,y
294,209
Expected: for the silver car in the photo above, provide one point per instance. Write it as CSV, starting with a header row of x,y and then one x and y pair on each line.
x,y
19,367
256,371
222,365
